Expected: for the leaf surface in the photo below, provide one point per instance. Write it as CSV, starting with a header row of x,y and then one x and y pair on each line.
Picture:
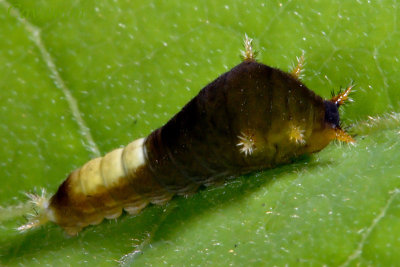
x,y
80,78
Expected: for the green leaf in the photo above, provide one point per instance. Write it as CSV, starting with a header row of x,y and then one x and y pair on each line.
x,y
80,78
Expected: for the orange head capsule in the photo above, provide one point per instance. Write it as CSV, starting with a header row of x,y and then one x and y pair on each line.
x,y
339,100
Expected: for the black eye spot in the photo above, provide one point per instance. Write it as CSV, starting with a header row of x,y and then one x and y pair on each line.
x,y
332,114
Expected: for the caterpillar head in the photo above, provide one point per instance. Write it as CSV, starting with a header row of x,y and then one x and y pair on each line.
x,y
331,129
332,115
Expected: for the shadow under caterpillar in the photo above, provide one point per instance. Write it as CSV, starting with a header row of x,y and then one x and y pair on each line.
x,y
250,118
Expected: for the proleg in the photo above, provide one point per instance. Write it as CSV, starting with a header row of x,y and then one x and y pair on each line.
x,y
250,118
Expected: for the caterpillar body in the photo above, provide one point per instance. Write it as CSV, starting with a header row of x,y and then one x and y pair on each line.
x,y
250,118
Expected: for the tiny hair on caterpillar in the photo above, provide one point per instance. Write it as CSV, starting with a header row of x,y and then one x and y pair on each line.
x,y
250,118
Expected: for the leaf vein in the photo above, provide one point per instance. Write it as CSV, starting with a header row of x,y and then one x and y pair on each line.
x,y
35,35
357,252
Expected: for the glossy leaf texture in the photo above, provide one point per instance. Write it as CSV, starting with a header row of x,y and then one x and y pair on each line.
x,y
80,78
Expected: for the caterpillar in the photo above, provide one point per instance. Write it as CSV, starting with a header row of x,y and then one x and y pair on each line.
x,y
250,118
